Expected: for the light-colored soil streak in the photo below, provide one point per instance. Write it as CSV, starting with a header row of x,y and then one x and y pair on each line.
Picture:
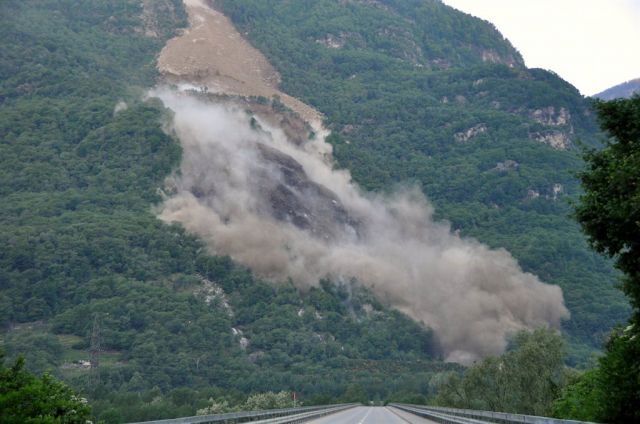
x,y
211,53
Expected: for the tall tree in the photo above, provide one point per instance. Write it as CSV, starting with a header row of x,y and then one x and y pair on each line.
x,y
609,212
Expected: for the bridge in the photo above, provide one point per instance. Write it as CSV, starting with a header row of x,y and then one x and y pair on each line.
x,y
394,413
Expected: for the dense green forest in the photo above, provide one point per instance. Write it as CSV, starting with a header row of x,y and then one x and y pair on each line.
x,y
418,93
82,158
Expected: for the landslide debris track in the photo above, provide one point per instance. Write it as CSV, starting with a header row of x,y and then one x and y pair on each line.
x,y
212,54
255,184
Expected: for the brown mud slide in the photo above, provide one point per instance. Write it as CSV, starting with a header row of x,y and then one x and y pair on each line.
x,y
211,54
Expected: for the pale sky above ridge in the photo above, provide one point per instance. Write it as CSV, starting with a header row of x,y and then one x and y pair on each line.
x,y
593,44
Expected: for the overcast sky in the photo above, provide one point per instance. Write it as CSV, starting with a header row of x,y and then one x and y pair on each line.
x,y
593,44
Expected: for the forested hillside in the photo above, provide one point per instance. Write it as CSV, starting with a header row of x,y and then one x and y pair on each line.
x,y
82,160
417,93
414,93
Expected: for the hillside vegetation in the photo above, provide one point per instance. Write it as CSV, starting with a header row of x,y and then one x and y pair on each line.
x,y
82,158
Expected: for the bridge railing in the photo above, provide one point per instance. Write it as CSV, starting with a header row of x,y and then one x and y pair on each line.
x,y
271,416
485,416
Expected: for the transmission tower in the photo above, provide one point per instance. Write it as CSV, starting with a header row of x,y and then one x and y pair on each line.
x,y
94,351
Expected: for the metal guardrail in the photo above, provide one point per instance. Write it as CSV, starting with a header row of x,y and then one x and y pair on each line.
x,y
438,417
306,416
485,416
272,416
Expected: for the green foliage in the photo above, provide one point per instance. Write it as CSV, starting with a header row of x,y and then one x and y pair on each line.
x,y
526,379
402,82
255,402
581,398
619,377
28,399
216,407
611,391
268,400
609,212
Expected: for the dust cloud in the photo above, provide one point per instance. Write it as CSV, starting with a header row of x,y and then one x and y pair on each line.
x,y
279,207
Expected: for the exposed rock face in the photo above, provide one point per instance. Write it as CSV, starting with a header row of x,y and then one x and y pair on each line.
x,y
558,121
532,194
333,41
507,165
491,56
549,116
282,187
214,295
557,139
468,134
294,198
556,191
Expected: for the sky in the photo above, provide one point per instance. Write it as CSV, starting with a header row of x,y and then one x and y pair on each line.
x,y
593,44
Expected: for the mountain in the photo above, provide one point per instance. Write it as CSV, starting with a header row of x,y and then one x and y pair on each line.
x,y
625,90
491,143
414,93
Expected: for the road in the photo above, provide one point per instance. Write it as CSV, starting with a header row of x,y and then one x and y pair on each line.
x,y
371,415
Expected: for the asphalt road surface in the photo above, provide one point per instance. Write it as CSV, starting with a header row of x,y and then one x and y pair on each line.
x,y
371,415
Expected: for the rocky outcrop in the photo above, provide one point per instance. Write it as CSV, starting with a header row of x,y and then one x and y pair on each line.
x,y
213,295
491,56
549,116
333,41
506,166
468,134
559,140
294,198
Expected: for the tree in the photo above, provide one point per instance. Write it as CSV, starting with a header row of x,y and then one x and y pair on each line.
x,y
526,379
269,400
216,407
609,209
609,213
25,398
580,398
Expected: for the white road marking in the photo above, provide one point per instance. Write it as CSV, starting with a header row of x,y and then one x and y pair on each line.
x,y
366,415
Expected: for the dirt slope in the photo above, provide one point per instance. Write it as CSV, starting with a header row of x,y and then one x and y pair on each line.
x,y
211,53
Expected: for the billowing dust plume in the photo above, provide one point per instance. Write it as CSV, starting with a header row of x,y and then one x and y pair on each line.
x,y
276,205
